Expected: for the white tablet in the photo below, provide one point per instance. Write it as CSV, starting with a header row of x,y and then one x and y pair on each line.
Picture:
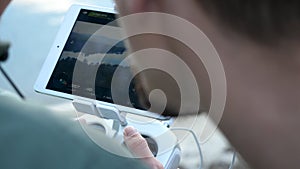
x,y
71,48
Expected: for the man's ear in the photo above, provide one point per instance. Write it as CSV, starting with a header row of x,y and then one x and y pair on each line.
x,y
126,7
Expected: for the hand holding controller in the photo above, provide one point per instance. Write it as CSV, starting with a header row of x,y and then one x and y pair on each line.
x,y
161,141
138,146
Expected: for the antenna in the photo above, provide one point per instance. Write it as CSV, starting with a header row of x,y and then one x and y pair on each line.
x,y
4,47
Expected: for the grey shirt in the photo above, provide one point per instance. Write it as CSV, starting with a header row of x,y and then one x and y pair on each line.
x,y
31,137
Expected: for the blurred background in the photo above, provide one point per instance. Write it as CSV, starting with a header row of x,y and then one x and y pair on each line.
x,y
31,26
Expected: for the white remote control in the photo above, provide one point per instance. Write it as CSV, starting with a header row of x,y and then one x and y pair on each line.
x,y
162,142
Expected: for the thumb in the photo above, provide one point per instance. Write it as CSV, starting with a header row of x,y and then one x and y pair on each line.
x,y
136,144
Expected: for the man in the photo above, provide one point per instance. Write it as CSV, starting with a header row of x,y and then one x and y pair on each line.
x,y
258,43
32,137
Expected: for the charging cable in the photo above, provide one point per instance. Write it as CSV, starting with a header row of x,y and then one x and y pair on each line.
x,y
196,140
233,160
199,147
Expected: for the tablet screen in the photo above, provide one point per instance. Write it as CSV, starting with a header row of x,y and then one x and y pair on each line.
x,y
61,80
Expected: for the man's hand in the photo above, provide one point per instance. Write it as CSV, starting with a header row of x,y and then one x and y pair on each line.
x,y
139,148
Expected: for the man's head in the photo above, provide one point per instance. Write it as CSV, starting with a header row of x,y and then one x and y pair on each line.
x,y
246,34
262,20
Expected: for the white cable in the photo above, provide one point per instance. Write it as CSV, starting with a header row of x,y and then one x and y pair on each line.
x,y
233,160
197,142
199,147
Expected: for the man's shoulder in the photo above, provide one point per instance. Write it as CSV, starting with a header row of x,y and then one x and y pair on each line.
x,y
39,139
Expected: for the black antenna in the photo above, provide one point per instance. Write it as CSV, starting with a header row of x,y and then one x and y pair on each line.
x,y
3,57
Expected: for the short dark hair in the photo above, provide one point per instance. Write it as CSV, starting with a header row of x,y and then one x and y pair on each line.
x,y
263,20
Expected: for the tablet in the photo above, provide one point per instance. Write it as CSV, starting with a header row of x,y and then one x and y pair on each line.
x,y
70,48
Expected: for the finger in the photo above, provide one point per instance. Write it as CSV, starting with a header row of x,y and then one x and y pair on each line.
x,y
122,7
139,147
136,143
126,7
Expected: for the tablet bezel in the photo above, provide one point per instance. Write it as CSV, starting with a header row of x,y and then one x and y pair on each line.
x,y
55,53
